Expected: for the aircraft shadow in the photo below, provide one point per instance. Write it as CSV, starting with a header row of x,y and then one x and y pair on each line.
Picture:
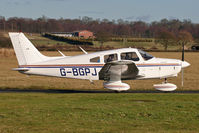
x,y
86,91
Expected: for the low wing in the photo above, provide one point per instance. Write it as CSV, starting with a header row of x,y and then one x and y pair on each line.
x,y
119,70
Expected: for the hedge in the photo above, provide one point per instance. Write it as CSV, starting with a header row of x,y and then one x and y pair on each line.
x,y
70,40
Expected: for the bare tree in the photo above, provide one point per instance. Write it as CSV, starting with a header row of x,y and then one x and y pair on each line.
x,y
165,38
102,37
184,37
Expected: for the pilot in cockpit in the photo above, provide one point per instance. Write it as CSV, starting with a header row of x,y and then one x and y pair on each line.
x,y
110,58
127,57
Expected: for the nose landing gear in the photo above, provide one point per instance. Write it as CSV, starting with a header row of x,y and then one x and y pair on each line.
x,y
165,86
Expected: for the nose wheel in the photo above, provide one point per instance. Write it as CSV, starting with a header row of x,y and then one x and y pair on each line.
x,y
165,86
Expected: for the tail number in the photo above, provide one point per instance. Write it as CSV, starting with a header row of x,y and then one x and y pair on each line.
x,y
62,72
79,71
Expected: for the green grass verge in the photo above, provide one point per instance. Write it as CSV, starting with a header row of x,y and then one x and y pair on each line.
x,y
38,40
98,112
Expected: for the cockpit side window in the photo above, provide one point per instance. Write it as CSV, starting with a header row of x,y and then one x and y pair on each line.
x,y
145,55
129,56
110,57
95,59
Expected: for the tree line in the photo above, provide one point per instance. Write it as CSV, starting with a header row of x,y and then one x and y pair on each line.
x,y
113,28
166,32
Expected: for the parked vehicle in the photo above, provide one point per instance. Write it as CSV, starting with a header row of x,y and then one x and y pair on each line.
x,y
195,47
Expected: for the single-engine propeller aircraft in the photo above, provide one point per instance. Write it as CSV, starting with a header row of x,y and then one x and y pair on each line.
x,y
112,66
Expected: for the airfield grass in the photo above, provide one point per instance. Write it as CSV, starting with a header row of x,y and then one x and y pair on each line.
x,y
99,112
37,40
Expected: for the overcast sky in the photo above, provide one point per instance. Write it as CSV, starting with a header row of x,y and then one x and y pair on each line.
x,y
145,10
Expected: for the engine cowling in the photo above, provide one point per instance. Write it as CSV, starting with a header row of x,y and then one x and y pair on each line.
x,y
116,85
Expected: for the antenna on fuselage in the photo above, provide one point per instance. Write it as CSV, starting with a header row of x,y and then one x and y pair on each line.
x,y
61,53
83,50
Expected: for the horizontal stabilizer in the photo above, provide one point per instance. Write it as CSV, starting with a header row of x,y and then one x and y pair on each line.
x,y
20,69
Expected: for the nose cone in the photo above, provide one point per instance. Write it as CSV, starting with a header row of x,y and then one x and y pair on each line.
x,y
185,64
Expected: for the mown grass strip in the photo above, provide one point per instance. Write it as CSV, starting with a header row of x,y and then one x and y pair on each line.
x,y
100,112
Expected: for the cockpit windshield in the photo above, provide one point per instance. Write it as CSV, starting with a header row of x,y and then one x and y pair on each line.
x,y
145,55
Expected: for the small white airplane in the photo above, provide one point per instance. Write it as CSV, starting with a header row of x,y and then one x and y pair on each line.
x,y
112,66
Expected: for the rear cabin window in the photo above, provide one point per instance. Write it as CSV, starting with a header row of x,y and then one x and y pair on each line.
x,y
129,56
95,59
110,57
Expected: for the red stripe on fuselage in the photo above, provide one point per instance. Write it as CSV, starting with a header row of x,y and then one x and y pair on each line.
x,y
82,65
158,64
62,65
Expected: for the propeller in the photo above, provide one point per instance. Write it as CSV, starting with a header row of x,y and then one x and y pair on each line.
x,y
182,65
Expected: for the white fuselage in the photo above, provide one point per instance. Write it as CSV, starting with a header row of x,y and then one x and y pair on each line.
x,y
82,66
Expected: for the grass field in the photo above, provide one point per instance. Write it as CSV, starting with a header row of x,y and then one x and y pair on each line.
x,y
37,40
99,112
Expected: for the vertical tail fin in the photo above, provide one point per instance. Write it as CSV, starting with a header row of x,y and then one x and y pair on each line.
x,y
25,51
